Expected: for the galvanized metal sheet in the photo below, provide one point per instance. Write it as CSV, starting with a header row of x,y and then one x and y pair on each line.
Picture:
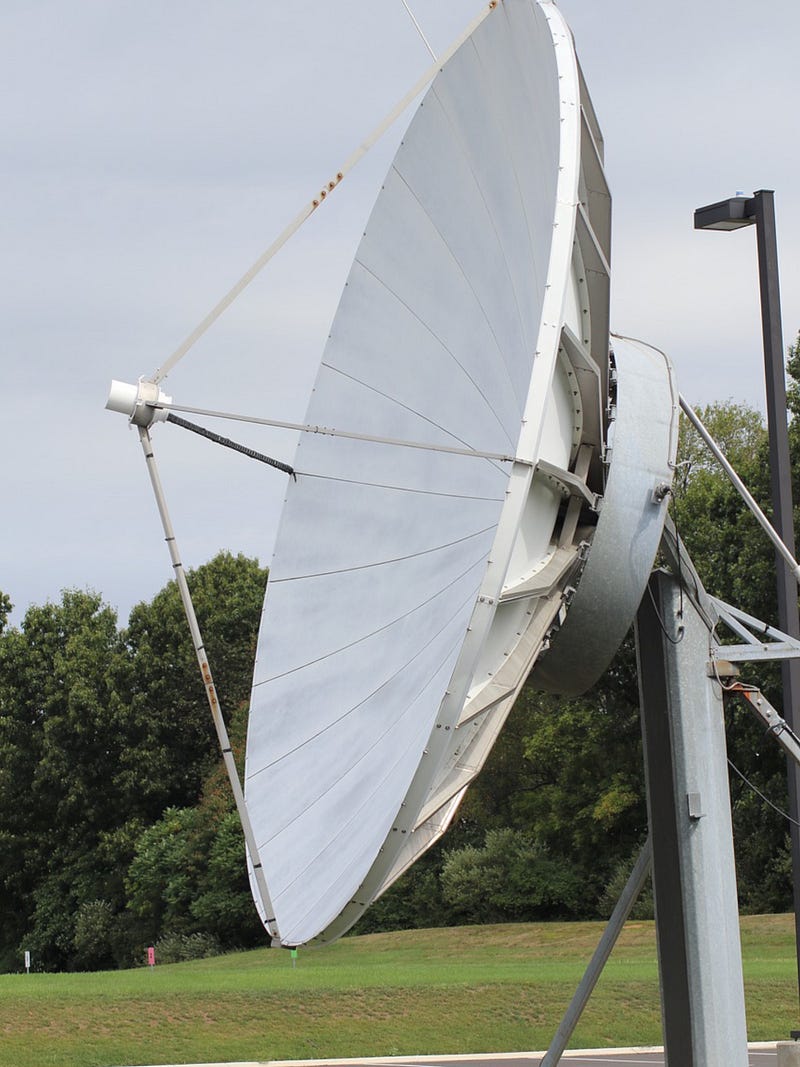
x,y
644,445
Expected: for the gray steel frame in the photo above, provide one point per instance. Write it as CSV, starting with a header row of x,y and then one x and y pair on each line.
x,y
691,836
694,878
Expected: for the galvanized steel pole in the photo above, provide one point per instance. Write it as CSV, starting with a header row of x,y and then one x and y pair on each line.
x,y
762,208
689,811
734,214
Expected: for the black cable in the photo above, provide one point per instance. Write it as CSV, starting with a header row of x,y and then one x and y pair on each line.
x,y
681,579
226,441
756,790
681,631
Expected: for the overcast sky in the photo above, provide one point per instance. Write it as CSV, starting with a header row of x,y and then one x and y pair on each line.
x,y
151,151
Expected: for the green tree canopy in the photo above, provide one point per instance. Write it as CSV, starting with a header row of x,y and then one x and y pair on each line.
x,y
737,563
101,732
117,827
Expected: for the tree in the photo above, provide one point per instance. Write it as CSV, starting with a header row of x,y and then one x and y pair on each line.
x,y
188,875
163,686
94,925
20,753
588,800
732,555
737,563
60,737
162,877
100,732
513,878
117,827
562,792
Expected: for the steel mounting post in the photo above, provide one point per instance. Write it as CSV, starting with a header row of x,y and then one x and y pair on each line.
x,y
688,806
762,208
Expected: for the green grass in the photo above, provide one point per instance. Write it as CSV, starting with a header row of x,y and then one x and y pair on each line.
x,y
473,989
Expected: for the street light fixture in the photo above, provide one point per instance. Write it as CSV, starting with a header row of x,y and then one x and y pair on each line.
x,y
725,214
733,214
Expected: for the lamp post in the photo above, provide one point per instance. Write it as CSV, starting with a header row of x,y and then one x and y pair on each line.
x,y
733,214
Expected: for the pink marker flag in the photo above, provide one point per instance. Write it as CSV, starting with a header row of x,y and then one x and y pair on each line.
x,y
151,957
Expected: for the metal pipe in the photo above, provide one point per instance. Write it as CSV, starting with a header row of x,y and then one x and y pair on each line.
x,y
781,485
780,547
328,431
418,28
208,681
777,726
633,888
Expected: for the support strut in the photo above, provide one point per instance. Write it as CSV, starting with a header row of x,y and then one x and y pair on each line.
x,y
208,681
688,807
622,910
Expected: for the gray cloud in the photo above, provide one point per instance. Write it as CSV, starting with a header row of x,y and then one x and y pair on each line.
x,y
150,152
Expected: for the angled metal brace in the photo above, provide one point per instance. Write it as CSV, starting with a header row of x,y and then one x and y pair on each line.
x,y
567,483
741,489
759,640
208,681
770,717
622,910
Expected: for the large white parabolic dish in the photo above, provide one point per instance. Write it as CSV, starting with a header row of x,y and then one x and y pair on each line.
x,y
410,589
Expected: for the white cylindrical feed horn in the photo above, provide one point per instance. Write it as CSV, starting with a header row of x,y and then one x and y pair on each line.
x,y
122,397
136,401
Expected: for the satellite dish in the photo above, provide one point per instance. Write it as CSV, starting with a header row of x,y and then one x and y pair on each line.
x,y
468,515
412,589
490,512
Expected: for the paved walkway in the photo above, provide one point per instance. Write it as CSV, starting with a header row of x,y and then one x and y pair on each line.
x,y
761,1054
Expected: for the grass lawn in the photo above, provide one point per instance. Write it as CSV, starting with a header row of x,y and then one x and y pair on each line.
x,y
470,989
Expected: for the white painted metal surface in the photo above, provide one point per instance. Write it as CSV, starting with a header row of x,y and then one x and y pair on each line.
x,y
410,591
